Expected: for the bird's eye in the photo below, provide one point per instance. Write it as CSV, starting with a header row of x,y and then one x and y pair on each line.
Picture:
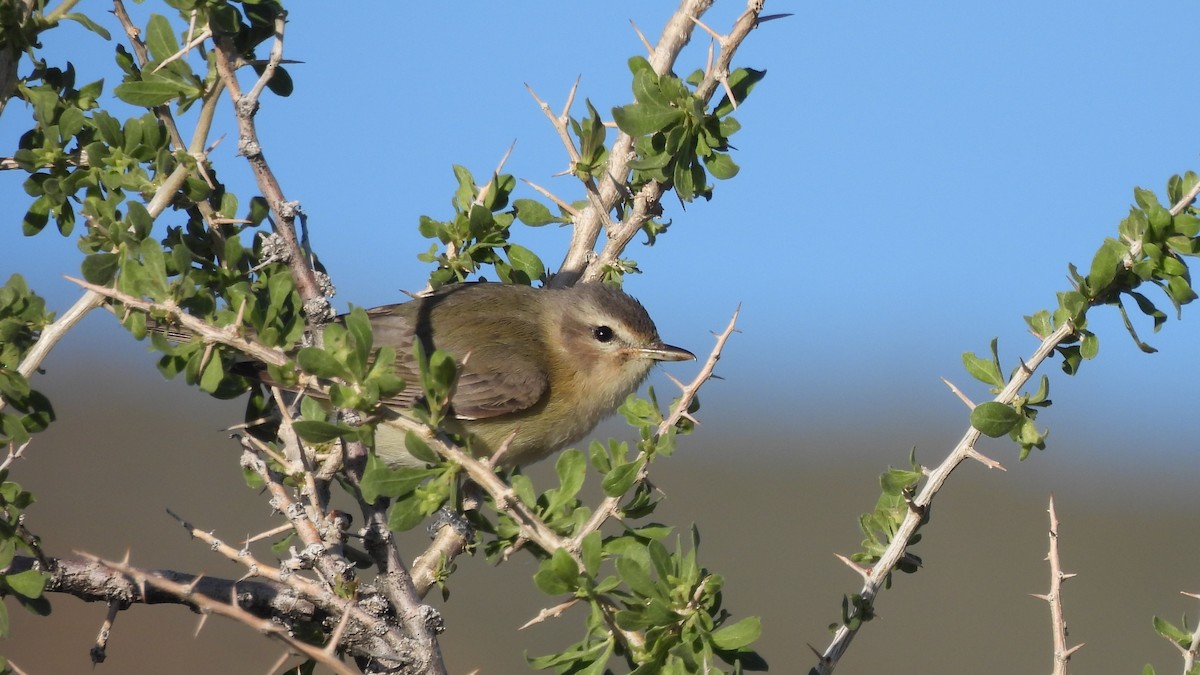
x,y
602,334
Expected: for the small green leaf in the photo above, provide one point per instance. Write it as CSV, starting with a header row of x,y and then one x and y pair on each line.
x,y
1089,346
214,373
896,481
87,23
994,419
315,431
405,515
741,634
160,38
640,119
1105,265
549,582
381,481
321,363
100,268
526,261
590,551
741,82
637,578
29,583
1171,632
533,213
982,369
419,449
721,166
618,481
359,328
571,468
148,93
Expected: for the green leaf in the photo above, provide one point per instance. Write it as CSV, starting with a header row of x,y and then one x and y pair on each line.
x,y
896,481
590,551
29,583
742,82
1180,291
381,481
994,419
533,213
640,119
315,431
741,634
100,268
1146,199
148,93
984,370
405,515
160,39
558,574
1105,265
321,363
526,261
572,469
1171,632
637,578
359,328
721,166
419,449
1187,224
618,481
214,372
1089,346
83,20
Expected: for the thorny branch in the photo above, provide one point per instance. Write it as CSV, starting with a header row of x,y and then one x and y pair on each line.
x,y
875,576
1058,621
581,260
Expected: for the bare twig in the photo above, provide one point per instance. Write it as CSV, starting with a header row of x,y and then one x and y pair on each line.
x,y
285,213
229,609
206,331
100,648
1058,622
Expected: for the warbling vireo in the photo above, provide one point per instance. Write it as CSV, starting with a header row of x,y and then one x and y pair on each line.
x,y
548,364
545,363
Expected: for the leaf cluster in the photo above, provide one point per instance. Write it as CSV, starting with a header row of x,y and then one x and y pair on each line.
x,y
679,143
25,587
22,317
879,527
634,583
477,235
1152,248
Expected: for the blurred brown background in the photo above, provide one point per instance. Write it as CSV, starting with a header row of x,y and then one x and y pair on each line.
x,y
772,510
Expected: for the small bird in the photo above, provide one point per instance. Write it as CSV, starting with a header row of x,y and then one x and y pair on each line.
x,y
545,363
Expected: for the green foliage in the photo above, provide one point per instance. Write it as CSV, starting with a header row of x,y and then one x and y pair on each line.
x,y
879,527
678,142
1180,636
477,235
26,586
634,582
23,315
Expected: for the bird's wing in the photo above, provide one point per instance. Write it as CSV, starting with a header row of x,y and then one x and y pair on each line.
x,y
479,395
480,392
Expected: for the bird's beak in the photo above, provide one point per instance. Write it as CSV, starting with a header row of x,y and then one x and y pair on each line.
x,y
662,352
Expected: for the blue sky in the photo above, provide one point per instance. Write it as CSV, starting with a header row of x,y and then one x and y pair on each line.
x,y
914,180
